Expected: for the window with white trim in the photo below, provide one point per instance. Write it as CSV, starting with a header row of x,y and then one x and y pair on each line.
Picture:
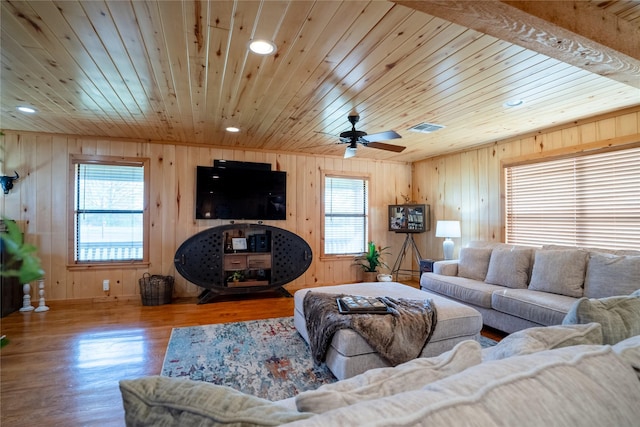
x,y
109,215
346,215
590,200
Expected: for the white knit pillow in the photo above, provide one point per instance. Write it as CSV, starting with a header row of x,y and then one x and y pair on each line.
x,y
381,382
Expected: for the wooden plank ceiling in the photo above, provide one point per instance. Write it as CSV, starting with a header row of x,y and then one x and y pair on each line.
x,y
180,71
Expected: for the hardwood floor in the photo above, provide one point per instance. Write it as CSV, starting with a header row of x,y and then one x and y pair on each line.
x,y
62,367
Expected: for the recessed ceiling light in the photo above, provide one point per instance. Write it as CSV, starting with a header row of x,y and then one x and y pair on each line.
x,y
233,129
26,109
513,103
262,47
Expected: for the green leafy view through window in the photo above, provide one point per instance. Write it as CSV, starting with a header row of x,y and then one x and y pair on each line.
x,y
109,212
345,215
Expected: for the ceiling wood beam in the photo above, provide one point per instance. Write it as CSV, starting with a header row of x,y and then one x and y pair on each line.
x,y
570,31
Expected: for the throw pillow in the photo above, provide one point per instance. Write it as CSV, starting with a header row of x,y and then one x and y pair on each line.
x,y
382,382
629,351
559,272
510,268
474,263
610,275
572,386
534,340
619,316
155,401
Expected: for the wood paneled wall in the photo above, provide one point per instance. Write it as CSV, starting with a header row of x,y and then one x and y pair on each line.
x,y
38,202
464,186
467,186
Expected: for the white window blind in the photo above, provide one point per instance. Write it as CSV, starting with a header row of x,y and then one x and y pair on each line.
x,y
108,212
589,200
345,216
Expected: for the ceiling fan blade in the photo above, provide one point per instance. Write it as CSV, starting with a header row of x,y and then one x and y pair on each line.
x,y
387,147
349,152
382,136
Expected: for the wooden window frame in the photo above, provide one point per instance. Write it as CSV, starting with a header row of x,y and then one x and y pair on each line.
x,y
344,175
75,159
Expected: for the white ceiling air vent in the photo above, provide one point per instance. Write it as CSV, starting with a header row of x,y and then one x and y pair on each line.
x,y
426,128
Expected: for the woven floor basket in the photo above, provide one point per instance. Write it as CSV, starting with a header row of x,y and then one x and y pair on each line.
x,y
156,289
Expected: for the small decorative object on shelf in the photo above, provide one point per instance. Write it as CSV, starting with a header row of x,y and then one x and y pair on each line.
x,y
41,304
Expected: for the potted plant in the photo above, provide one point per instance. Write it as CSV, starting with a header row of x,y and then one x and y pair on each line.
x,y
370,261
22,263
236,276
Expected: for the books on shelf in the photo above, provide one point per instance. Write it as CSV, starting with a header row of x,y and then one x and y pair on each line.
x,y
361,304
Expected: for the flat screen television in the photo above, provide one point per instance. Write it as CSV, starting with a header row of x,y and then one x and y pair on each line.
x,y
409,218
223,193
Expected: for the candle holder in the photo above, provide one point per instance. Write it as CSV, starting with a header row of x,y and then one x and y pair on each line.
x,y
26,299
41,304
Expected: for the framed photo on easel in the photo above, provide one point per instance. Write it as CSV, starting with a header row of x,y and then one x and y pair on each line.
x,y
409,218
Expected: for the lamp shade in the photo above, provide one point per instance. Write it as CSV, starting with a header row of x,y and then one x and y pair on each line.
x,y
448,229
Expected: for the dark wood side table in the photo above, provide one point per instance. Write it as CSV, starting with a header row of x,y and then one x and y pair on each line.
x,y
426,265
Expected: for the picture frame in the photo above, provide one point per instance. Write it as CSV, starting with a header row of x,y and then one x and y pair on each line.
x,y
239,243
409,218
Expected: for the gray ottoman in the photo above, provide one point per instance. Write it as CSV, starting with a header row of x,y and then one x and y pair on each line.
x,y
349,354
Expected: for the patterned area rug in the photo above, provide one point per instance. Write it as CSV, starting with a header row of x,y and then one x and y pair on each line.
x,y
265,358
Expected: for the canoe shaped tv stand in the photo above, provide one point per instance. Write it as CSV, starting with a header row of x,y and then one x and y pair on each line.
x,y
242,258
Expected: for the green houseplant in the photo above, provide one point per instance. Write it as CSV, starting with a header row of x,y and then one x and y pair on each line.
x,y
237,276
370,260
22,261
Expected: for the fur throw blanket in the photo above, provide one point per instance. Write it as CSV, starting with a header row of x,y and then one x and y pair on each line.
x,y
398,337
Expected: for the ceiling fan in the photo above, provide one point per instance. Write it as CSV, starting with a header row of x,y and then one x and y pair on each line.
x,y
353,137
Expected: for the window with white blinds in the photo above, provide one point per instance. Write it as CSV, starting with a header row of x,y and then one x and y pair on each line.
x,y
588,200
108,211
346,215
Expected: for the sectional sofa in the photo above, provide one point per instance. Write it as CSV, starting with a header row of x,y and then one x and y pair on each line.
x,y
519,287
548,376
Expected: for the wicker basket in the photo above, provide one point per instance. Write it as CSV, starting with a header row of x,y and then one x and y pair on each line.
x,y
156,289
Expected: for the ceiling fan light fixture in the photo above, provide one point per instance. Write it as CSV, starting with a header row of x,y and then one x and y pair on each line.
x,y
262,47
349,152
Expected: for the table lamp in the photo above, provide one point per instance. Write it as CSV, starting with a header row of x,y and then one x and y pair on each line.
x,y
448,229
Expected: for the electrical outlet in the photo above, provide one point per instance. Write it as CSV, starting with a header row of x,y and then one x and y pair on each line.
x,y
105,285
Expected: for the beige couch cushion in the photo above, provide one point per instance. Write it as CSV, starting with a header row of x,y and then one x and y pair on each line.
x,y
161,401
619,316
474,263
377,383
610,275
629,351
510,268
571,386
534,340
559,272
